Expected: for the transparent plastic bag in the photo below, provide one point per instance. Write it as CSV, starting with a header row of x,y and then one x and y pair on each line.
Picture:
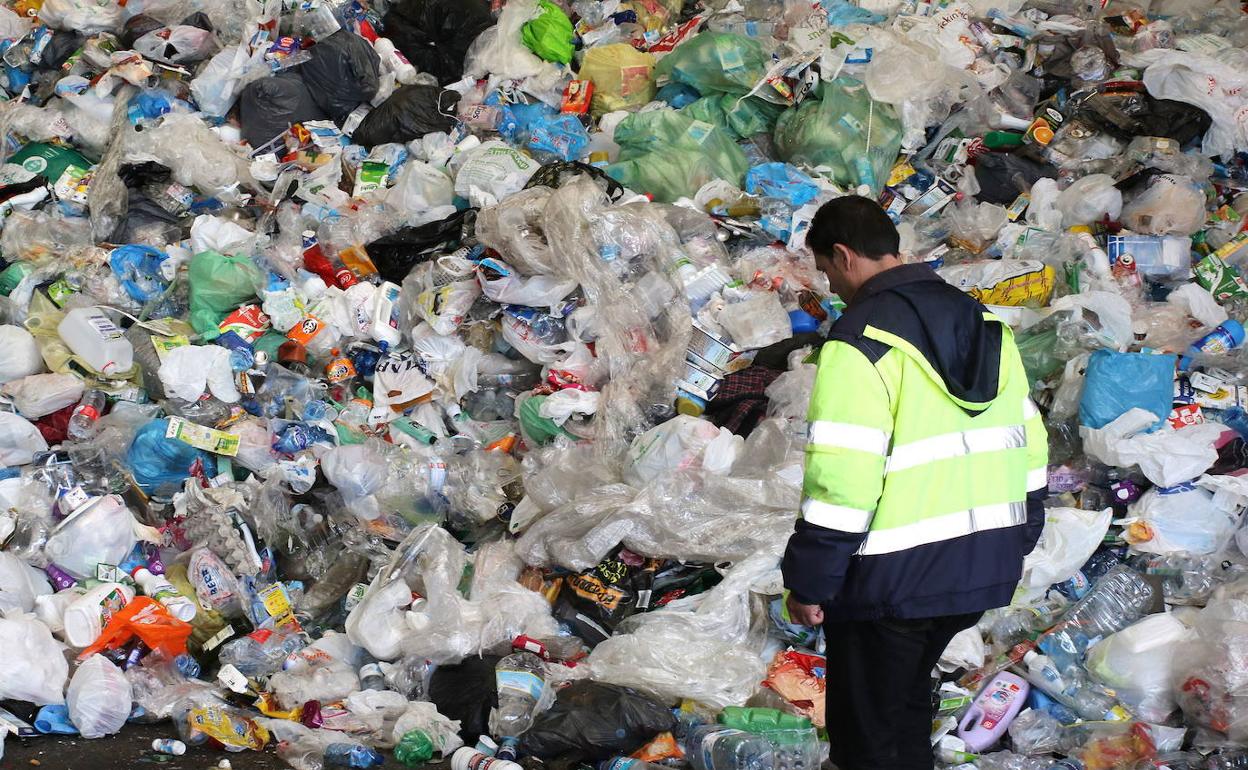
x,y
99,698
1089,200
38,395
700,647
1169,205
1138,663
1035,732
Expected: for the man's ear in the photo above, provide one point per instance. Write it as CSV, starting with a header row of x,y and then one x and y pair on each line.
x,y
845,254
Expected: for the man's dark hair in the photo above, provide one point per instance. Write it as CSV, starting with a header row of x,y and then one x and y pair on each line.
x,y
855,222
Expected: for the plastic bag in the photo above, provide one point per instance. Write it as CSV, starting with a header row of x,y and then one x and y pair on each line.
x,y
190,369
423,192
466,692
38,395
740,117
757,322
359,472
218,84
671,155
21,354
267,107
1035,731
550,35
500,51
843,135
502,284
716,62
1180,519
1166,457
697,647
1170,205
1218,88
99,698
435,35
219,284
780,180
1090,199
443,733
103,531
623,77
1070,536
20,584
1119,382
33,667
20,440
410,113
1138,662
396,254
81,17
157,461
595,721
344,73
493,172
681,442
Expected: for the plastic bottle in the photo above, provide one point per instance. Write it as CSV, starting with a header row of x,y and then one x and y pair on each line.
x,y
160,589
521,679
468,758
86,617
993,710
1075,692
352,755
262,652
372,677
1223,339
628,763
1016,624
394,60
1118,599
85,416
715,747
168,746
93,337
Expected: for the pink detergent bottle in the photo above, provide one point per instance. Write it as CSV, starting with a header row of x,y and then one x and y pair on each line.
x,y
993,710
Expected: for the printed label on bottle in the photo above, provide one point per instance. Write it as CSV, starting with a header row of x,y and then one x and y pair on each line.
x,y
104,326
520,681
232,678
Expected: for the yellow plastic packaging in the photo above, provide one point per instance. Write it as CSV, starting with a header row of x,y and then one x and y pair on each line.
x,y
623,77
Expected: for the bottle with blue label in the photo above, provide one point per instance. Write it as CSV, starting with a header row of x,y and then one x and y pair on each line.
x,y
1222,340
521,680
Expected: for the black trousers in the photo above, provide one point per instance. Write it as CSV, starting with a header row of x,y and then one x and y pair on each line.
x,y
879,689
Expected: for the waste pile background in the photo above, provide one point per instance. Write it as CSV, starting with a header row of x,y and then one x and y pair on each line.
x,y
399,380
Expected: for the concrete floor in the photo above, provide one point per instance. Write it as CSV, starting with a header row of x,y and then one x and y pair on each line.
x,y
131,749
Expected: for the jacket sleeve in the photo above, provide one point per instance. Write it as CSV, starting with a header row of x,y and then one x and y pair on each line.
x,y
1037,471
851,425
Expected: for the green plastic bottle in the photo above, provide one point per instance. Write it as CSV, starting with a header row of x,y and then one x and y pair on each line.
x,y
414,749
761,720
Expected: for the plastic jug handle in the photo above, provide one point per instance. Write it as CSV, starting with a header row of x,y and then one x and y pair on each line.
x,y
972,716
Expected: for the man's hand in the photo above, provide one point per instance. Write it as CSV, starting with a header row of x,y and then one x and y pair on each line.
x,y
805,614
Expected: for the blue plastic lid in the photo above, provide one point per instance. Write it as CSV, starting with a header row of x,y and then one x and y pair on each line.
x,y
802,322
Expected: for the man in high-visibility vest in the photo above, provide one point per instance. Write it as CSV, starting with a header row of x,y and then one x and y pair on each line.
x,y
926,471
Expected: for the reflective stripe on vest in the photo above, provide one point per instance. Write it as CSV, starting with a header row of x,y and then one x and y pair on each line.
x,y
960,444
946,527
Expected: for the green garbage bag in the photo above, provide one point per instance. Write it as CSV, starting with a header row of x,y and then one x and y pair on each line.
x,y
550,35
670,155
623,77
536,428
218,284
716,62
740,117
842,135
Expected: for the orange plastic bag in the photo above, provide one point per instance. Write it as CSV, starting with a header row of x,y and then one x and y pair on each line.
x,y
148,620
800,679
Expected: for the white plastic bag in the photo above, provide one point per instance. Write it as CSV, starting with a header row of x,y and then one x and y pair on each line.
x,y
33,667
1138,663
190,369
20,584
101,531
562,404
21,354
1180,519
378,623
218,85
99,698
20,440
359,472
504,285
81,16
1167,457
757,322
1089,200
1218,88
422,193
1112,311
966,650
424,716
1069,538
1197,302
42,394
492,172
680,443
209,233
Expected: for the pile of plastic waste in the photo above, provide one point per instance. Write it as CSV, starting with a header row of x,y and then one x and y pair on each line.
x,y
428,378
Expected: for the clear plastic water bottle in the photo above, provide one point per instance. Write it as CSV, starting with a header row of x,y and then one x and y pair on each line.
x,y
1117,600
262,652
715,747
352,755
86,415
521,679
1015,624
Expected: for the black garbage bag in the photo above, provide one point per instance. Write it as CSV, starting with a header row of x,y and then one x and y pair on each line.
x,y
395,255
268,106
593,720
434,35
595,601
999,176
410,113
466,692
343,73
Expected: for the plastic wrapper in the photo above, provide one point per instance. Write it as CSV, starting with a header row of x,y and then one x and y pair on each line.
x,y
623,77
1139,662
700,647
1035,732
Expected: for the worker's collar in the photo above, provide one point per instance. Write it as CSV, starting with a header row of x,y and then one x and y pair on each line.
x,y
894,277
